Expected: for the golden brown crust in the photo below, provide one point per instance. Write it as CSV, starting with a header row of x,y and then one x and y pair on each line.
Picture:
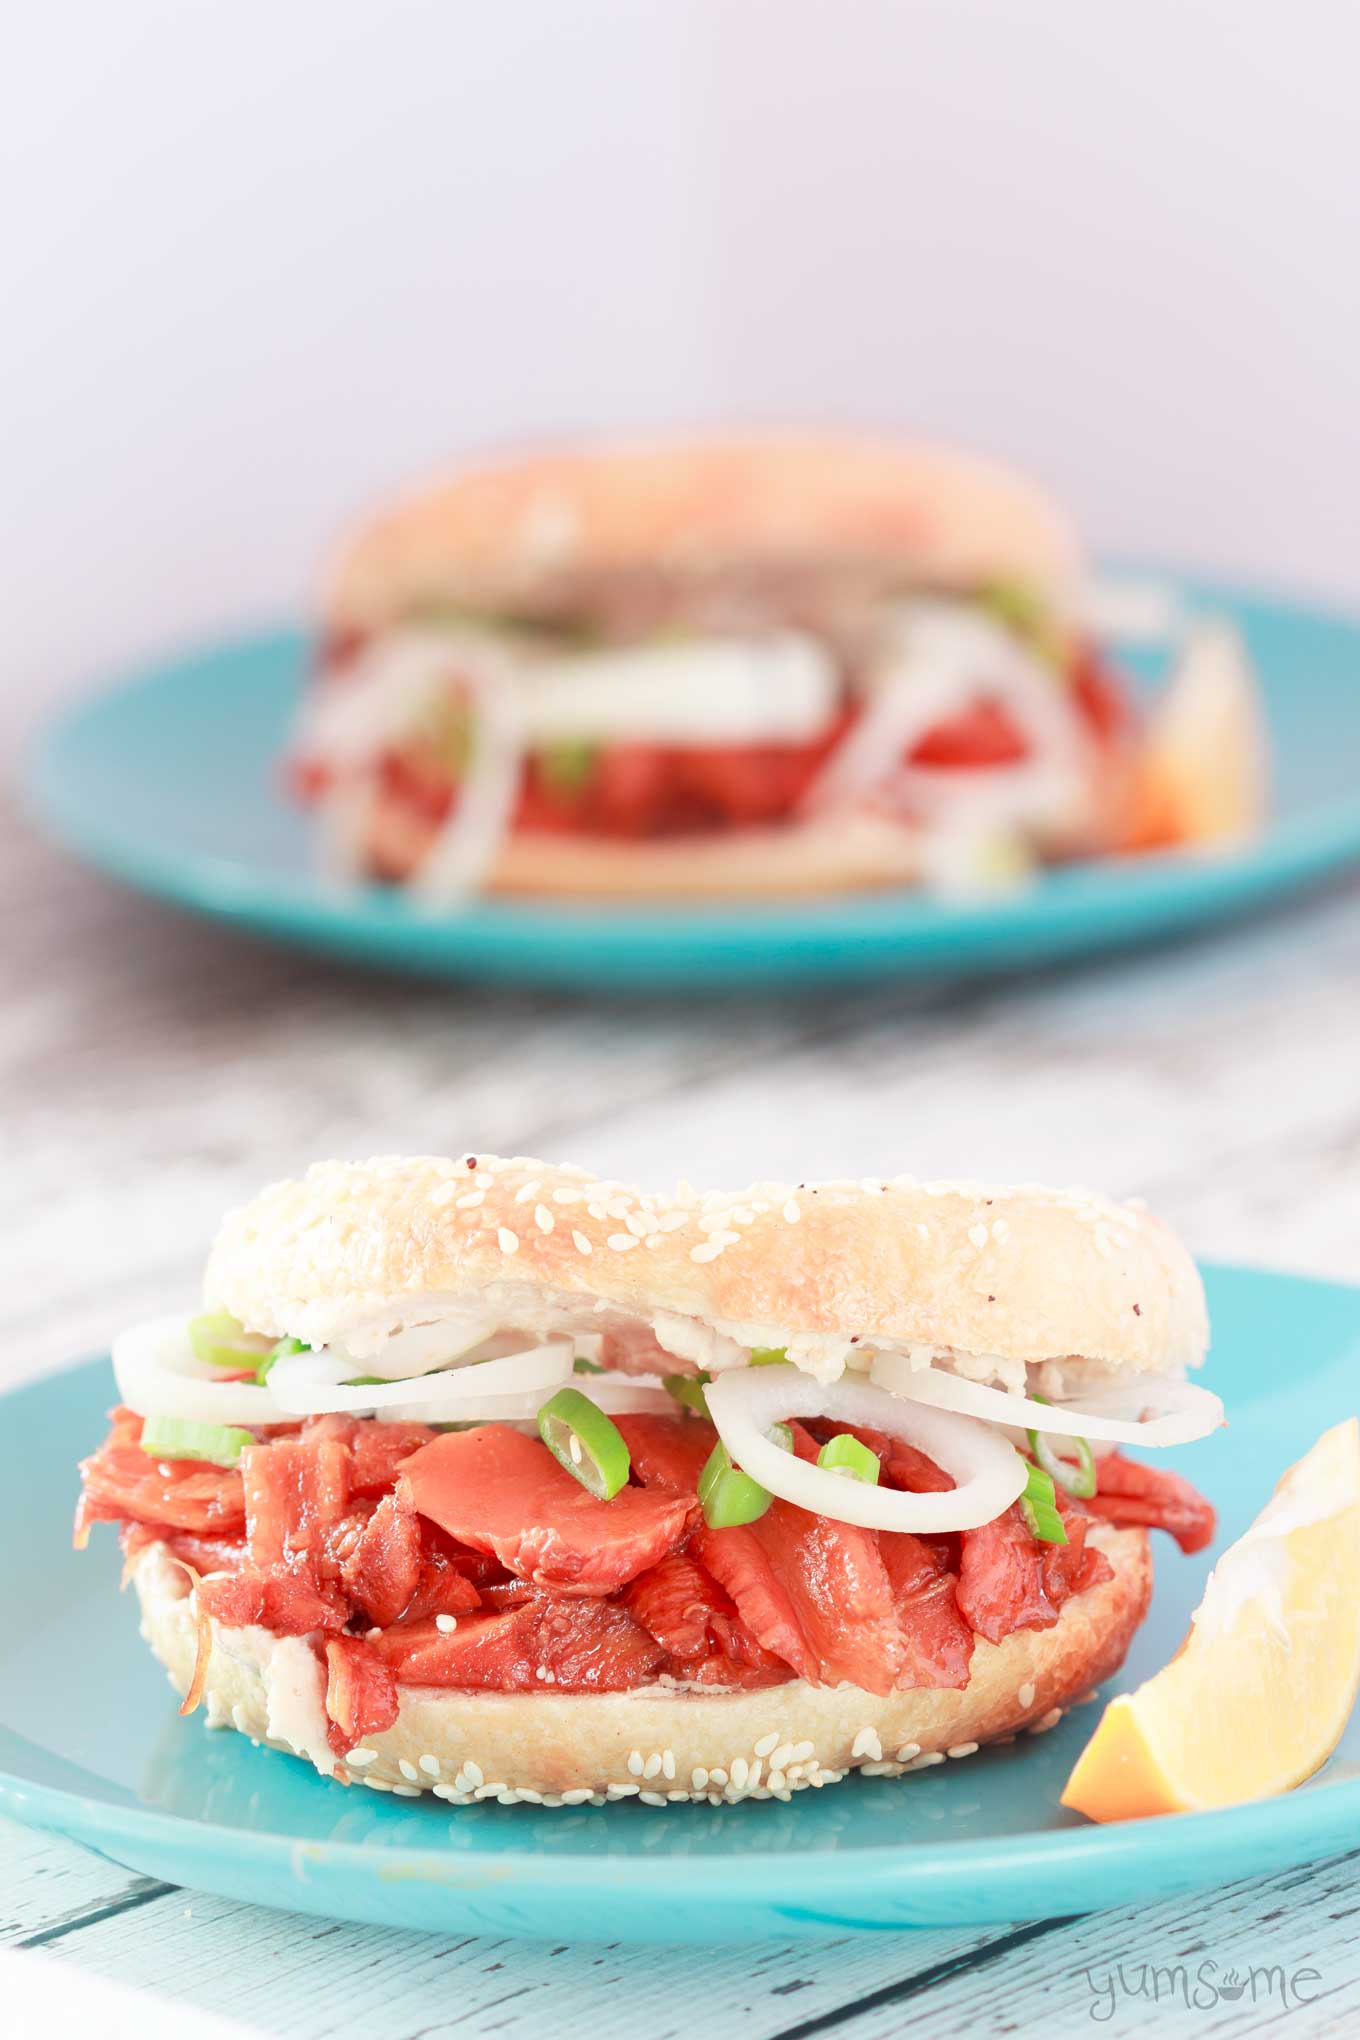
x,y
1023,1273
671,1743
488,536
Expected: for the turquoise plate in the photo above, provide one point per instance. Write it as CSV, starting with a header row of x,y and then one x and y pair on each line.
x,y
91,1744
171,782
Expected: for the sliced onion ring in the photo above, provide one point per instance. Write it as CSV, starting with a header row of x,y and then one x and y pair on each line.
x,y
1188,1411
311,1384
621,1395
745,1402
160,1375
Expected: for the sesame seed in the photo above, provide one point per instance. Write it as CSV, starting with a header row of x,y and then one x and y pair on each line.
x,y
444,1193
924,1762
1050,1720
527,1190
402,1791
792,1213
359,1757
430,1766
621,1242
668,1763
867,1744
576,1796
635,1762
469,1199
674,1798
782,1754
802,1751
563,1196
908,1751
924,1230
698,1777
448,1623
472,1772
671,1221
582,1243
652,1798
526,1792
377,1784
492,1791
961,1749
740,1772
652,1767
708,1251
408,1771
1025,1695
574,1447
543,1218
621,1791
640,1222
768,1743
597,1210
653,1239
978,1235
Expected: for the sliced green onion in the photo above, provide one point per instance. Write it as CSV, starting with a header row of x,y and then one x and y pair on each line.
x,y
580,1365
223,1341
568,766
769,1356
367,1381
279,1352
728,1496
782,1436
178,1438
1079,1479
1039,1507
688,1391
581,1437
847,1455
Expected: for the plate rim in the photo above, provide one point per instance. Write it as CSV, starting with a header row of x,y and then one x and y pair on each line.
x,y
1258,1835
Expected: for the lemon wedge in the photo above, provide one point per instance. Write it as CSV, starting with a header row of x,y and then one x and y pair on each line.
x,y
1258,1694
1202,774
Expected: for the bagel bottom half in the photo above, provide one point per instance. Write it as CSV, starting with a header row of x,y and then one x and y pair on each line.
x,y
659,1742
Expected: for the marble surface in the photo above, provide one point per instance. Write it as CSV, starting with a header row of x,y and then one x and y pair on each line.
x,y
154,1071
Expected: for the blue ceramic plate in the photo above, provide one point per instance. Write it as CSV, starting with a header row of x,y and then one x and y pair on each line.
x,y
91,1743
171,782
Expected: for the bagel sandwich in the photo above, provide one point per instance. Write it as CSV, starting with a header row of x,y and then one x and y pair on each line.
x,y
704,668
490,1479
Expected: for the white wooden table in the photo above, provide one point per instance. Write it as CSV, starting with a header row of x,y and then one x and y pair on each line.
x,y
155,1070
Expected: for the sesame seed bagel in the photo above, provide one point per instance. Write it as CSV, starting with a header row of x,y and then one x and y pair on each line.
x,y
850,853
496,536
996,1281
659,1742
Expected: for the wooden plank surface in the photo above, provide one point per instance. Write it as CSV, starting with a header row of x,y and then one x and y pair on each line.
x,y
155,1070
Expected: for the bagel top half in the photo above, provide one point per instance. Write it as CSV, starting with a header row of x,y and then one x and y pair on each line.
x,y
990,1281
543,530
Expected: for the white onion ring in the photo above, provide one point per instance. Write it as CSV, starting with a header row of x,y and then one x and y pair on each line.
x,y
416,1348
989,1472
311,1385
469,842
1191,1412
160,1375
